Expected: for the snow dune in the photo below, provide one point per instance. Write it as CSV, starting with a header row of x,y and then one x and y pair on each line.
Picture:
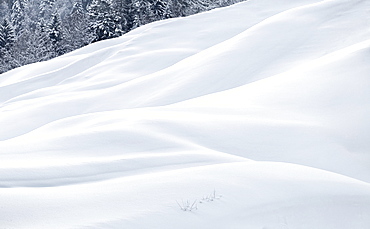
x,y
265,102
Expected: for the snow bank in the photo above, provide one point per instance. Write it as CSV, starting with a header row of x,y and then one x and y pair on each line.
x,y
261,106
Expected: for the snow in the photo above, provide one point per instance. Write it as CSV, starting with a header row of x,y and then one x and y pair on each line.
x,y
264,103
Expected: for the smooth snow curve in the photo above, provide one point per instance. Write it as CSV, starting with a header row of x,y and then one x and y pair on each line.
x,y
265,102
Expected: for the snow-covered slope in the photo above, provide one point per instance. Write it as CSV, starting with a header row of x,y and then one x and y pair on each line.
x,y
265,102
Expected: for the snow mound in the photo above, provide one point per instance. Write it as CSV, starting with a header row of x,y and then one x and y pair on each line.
x,y
257,113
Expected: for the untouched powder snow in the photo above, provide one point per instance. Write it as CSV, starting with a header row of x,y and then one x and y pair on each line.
x,y
257,115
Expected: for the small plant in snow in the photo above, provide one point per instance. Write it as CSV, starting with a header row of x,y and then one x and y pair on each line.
x,y
210,197
188,206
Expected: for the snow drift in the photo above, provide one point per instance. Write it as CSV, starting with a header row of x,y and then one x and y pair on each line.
x,y
264,103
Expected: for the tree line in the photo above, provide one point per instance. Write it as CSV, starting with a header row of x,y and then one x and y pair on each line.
x,y
38,30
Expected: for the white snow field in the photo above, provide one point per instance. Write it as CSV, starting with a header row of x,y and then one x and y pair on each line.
x,y
257,114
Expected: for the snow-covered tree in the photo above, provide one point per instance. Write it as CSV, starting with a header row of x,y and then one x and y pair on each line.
x,y
168,10
180,8
35,44
7,37
7,41
143,12
158,10
104,23
18,16
77,26
124,11
56,34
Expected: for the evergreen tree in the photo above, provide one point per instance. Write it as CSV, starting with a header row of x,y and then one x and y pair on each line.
x,y
159,10
104,23
129,14
201,5
56,35
77,25
180,8
168,11
124,11
35,44
41,43
143,12
7,37
2,38
7,41
55,32
18,16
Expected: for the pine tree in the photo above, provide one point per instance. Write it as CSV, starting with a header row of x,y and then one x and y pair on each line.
x,y
55,32
168,11
2,38
77,25
41,42
7,37
18,16
35,44
124,12
129,14
7,41
143,12
158,10
56,35
104,22
180,8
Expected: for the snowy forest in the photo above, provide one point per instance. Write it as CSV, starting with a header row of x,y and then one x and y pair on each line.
x,y
38,30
